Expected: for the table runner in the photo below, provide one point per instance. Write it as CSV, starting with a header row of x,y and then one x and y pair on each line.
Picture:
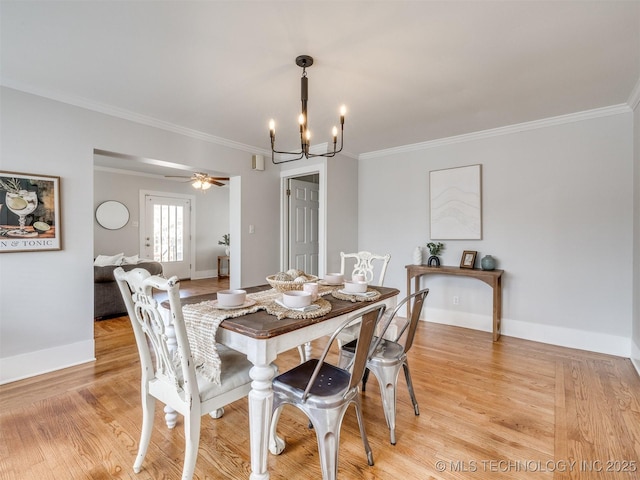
x,y
202,321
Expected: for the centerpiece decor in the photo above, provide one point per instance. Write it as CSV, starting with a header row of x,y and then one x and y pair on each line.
x,y
292,279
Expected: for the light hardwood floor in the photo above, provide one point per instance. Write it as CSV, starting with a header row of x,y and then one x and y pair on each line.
x,y
508,410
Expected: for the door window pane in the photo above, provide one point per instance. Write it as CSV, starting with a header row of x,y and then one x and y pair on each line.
x,y
168,239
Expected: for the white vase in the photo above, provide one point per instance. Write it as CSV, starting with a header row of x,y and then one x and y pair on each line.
x,y
227,250
417,256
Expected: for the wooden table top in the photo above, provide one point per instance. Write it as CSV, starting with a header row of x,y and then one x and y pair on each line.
x,y
261,325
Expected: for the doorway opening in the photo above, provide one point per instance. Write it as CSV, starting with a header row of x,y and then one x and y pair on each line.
x,y
303,219
302,239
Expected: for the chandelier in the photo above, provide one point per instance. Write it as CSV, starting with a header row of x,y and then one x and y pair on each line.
x,y
305,61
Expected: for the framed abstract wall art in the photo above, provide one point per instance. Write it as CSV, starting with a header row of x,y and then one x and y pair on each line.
x,y
455,196
29,212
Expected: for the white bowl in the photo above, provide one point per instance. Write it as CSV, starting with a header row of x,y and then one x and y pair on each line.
x,y
296,298
355,287
231,298
334,278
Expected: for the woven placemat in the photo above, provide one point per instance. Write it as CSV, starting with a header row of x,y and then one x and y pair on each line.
x,y
281,312
356,298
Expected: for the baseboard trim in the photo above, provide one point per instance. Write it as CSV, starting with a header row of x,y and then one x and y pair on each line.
x,y
635,356
204,274
563,337
35,363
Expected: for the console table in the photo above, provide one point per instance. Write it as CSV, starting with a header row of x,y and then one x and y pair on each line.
x,y
493,278
220,259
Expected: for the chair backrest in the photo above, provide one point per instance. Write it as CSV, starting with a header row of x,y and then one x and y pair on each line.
x,y
173,365
369,320
365,264
411,325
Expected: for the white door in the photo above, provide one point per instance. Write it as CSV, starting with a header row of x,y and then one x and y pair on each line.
x,y
303,225
167,235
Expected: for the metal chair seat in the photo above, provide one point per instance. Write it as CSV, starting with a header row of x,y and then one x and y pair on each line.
x,y
387,352
330,382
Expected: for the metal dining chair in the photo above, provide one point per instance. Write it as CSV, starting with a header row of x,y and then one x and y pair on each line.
x,y
324,392
168,371
389,357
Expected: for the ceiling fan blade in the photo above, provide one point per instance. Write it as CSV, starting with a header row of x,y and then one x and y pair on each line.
x,y
220,184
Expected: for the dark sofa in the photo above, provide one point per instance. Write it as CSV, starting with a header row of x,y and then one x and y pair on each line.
x,y
107,300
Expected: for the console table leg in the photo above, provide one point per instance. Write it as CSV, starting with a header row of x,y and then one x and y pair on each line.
x,y
497,309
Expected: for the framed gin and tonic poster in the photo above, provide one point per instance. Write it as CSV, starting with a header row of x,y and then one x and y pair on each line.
x,y
29,212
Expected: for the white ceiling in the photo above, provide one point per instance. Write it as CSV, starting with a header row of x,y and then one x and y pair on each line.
x,y
408,72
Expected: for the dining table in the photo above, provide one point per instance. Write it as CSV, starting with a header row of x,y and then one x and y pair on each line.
x,y
263,330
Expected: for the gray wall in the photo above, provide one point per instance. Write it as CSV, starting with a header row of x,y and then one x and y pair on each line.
x,y
557,215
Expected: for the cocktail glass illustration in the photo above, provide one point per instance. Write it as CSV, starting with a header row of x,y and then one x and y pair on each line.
x,y
22,204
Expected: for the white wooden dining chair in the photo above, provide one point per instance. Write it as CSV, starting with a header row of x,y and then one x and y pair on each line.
x,y
324,392
365,263
168,371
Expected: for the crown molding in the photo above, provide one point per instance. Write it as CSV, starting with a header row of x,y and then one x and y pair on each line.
x,y
634,98
120,171
85,103
496,132
132,116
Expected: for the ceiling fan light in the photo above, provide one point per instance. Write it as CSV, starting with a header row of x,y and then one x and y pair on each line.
x,y
197,184
206,185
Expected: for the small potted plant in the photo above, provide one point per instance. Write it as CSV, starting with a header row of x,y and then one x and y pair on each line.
x,y
226,241
434,250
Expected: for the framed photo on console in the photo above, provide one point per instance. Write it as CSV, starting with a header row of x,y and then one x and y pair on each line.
x,y
29,212
468,259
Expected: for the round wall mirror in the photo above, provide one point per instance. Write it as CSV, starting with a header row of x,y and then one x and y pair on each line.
x,y
112,215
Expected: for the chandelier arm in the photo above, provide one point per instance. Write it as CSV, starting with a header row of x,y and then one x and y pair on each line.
x,y
329,154
286,153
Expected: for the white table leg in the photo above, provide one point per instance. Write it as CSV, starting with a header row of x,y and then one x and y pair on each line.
x,y
260,403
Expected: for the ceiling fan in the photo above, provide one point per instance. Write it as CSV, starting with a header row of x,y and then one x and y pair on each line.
x,y
202,181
